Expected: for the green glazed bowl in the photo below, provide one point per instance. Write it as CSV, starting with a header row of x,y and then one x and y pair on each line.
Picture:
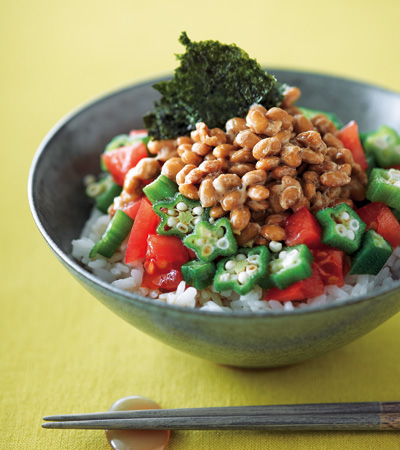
x,y
266,339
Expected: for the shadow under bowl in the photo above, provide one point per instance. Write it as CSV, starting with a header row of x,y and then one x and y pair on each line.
x,y
267,339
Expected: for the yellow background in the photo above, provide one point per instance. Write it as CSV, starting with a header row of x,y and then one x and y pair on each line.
x,y
60,349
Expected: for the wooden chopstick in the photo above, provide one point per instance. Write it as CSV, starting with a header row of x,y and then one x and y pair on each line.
x,y
314,416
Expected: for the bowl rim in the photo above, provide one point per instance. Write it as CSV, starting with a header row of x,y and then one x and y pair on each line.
x,y
127,296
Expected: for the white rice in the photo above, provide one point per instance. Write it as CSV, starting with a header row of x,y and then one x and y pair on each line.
x,y
128,277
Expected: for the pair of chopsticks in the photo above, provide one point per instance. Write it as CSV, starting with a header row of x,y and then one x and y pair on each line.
x,y
315,416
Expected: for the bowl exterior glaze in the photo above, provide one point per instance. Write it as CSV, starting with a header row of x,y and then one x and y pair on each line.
x,y
252,341
60,208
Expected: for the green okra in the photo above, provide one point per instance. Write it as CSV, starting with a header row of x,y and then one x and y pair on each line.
x,y
341,227
179,215
117,231
372,255
384,186
198,274
384,144
160,189
291,264
209,241
243,271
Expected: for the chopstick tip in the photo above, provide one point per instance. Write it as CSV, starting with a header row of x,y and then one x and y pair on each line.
x,y
53,425
58,418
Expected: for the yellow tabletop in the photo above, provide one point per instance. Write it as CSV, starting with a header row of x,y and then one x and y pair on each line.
x,y
61,351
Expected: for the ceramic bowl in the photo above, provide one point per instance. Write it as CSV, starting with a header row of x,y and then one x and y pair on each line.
x,y
59,206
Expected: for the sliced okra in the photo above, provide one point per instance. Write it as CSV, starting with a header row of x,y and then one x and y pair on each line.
x,y
341,228
241,272
209,241
179,215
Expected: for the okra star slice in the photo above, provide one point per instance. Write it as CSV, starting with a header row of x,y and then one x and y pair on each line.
x,y
211,240
384,186
291,265
372,255
179,215
384,145
341,227
241,272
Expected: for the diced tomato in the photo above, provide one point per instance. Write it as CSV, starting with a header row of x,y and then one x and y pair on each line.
x,y
369,214
164,257
144,198
119,161
164,253
389,227
146,182
132,208
166,282
145,224
308,288
138,134
330,265
302,227
380,218
192,254
346,264
394,167
351,140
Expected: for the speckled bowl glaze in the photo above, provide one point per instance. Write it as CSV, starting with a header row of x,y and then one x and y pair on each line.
x,y
59,206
